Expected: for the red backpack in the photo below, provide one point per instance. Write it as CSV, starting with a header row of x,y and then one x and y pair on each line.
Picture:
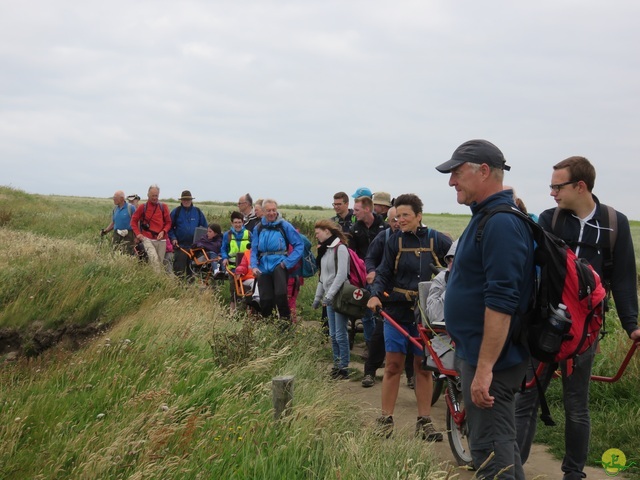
x,y
554,333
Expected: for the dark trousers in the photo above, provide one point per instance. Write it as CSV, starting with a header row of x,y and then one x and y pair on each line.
x,y
180,263
494,429
273,293
575,396
377,352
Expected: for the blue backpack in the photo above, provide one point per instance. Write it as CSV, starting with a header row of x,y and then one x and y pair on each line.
x,y
309,265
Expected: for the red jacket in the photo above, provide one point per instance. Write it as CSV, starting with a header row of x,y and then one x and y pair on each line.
x,y
243,269
156,215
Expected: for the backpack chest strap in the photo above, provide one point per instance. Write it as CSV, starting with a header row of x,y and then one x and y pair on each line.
x,y
416,251
410,295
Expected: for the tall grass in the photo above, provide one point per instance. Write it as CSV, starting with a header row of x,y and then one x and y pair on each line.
x,y
153,398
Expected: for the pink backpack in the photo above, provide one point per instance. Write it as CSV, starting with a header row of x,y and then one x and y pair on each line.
x,y
357,275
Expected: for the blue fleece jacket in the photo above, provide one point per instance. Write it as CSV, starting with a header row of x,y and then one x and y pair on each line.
x,y
496,272
269,247
184,222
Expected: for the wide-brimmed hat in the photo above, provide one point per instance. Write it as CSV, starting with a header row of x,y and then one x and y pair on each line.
x,y
186,195
382,198
475,151
362,192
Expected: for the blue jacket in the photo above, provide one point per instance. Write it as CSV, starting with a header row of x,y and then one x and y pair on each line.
x,y
412,269
184,222
269,248
496,272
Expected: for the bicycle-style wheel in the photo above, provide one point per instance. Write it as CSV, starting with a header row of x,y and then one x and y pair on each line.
x,y
438,386
458,434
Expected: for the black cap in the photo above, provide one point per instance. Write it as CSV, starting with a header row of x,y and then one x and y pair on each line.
x,y
475,151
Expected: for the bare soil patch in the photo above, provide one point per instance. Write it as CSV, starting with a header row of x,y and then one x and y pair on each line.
x,y
35,340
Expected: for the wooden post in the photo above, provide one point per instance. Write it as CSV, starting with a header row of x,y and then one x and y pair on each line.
x,y
282,390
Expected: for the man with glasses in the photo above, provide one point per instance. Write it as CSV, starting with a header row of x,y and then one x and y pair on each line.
x,y
586,225
245,206
344,215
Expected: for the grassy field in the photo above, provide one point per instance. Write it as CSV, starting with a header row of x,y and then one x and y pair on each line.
x,y
169,385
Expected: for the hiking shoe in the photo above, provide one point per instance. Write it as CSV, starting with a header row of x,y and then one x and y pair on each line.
x,y
384,426
426,430
411,383
368,381
339,374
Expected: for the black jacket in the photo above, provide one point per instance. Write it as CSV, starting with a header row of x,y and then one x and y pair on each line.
x,y
345,223
361,236
623,277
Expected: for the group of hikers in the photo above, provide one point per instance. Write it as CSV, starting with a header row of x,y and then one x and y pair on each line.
x,y
260,247
480,290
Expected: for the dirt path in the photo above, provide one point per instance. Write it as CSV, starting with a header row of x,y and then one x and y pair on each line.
x,y
541,464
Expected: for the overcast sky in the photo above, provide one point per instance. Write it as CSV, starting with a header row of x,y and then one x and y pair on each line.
x,y
297,100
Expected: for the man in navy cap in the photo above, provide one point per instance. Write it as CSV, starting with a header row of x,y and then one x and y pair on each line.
x,y
490,283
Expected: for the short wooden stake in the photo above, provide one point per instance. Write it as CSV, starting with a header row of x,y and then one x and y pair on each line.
x,y
282,390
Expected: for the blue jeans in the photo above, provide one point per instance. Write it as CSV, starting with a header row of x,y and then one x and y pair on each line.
x,y
339,337
493,429
368,325
575,396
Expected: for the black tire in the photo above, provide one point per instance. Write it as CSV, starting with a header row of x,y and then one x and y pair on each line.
x,y
198,273
438,386
458,435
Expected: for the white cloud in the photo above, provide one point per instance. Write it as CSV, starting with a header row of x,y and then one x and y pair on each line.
x,y
297,100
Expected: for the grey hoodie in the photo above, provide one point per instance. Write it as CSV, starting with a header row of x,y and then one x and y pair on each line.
x,y
330,280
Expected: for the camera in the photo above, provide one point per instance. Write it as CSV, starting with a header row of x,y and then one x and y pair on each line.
x,y
145,226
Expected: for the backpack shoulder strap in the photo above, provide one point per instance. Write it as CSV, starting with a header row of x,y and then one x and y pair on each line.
x,y
554,220
174,220
609,220
537,229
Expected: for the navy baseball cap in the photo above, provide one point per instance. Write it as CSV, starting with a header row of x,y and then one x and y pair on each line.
x,y
362,192
475,151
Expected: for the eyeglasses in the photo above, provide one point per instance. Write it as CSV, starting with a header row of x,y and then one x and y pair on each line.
x,y
337,204
558,186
